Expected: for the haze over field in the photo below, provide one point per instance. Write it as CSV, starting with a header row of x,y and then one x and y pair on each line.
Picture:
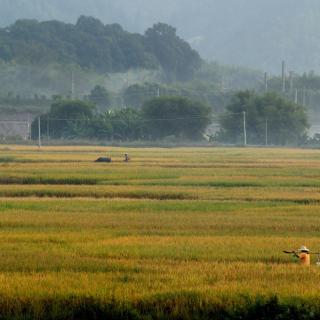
x,y
253,33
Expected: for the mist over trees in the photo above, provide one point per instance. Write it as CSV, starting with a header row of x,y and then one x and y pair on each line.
x,y
109,66
101,97
205,92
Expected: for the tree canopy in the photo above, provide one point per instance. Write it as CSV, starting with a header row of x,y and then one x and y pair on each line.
x,y
159,118
285,29
104,48
175,116
174,54
65,119
101,97
283,121
203,91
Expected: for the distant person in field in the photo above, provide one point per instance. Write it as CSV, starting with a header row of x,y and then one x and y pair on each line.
x,y
126,157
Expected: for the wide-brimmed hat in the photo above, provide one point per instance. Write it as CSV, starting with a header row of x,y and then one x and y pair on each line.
x,y
304,249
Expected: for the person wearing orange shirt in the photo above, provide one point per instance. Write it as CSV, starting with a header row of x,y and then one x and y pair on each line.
x,y
304,256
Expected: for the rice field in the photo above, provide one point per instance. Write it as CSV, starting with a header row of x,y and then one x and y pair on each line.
x,y
173,234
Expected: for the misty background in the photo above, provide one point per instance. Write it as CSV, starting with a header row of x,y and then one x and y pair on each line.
x,y
119,55
252,33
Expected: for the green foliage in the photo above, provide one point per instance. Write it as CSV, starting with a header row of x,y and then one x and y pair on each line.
x,y
303,87
136,94
71,109
46,81
92,45
223,30
127,124
78,119
175,55
206,92
227,77
309,81
99,127
203,91
286,121
174,306
101,97
161,117
175,116
65,119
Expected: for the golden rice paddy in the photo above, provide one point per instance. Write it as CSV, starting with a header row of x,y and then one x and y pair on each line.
x,y
211,222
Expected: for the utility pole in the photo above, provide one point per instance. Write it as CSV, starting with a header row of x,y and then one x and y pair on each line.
x,y
244,129
283,76
291,81
158,92
39,132
29,127
296,96
304,102
266,132
48,129
72,85
266,81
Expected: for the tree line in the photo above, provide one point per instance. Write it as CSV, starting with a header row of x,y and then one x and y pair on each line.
x,y
267,118
159,118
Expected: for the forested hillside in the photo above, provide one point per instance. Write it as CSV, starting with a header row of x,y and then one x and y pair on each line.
x,y
103,48
44,59
253,33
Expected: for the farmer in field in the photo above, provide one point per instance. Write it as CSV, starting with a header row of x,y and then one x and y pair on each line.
x,y
304,256
126,157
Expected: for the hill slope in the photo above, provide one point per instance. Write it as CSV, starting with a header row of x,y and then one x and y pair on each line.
x,y
248,32
103,48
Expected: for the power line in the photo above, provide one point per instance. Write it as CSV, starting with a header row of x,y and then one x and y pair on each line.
x,y
140,120
14,122
212,117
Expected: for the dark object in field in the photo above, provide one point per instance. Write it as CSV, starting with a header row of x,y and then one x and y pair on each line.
x,y
102,159
126,157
